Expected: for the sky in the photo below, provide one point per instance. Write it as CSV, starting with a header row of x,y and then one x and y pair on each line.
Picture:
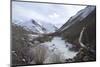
x,y
57,14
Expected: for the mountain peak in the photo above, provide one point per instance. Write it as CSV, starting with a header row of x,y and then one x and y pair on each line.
x,y
35,26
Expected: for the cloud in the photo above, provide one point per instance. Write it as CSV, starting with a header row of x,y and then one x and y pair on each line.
x,y
54,15
50,13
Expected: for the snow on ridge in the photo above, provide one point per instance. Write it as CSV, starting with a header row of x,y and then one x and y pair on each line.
x,y
39,27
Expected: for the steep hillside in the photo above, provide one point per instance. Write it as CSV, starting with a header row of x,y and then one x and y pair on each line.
x,y
80,30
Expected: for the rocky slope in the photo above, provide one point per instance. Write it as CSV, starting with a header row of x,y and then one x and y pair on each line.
x,y
72,31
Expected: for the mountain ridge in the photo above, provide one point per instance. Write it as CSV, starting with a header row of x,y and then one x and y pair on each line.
x,y
32,25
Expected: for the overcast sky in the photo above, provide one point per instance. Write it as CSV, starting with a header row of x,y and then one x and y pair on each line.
x,y
56,14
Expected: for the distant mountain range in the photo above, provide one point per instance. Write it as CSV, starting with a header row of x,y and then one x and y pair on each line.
x,y
38,27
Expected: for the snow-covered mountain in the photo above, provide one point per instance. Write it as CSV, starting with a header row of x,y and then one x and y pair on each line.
x,y
38,27
48,26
